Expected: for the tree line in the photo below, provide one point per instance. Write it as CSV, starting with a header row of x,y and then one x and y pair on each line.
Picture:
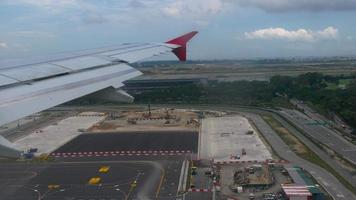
x,y
312,88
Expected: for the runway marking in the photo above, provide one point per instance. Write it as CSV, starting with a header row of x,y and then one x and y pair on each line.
x,y
163,174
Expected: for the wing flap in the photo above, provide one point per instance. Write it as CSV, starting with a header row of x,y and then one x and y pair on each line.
x,y
137,55
82,63
34,72
6,80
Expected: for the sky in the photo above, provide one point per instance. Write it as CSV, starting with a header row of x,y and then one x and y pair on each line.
x,y
228,29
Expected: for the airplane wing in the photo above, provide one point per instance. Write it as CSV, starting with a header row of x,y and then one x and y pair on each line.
x,y
32,85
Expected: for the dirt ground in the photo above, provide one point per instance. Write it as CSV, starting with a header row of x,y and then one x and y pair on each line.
x,y
162,119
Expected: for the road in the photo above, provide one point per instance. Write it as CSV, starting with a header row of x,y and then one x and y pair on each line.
x,y
338,123
327,180
349,175
322,134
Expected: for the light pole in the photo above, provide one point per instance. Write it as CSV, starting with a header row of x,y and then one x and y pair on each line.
x,y
119,190
38,193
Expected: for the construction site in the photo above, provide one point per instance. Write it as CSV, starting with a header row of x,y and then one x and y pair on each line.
x,y
162,119
185,153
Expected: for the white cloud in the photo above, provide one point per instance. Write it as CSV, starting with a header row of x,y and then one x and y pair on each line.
x,y
199,12
308,5
328,33
294,35
110,10
181,8
3,45
49,4
98,11
32,34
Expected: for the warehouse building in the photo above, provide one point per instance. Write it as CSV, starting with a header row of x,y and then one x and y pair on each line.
x,y
302,181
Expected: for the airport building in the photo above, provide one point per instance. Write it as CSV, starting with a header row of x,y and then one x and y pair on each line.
x,y
304,187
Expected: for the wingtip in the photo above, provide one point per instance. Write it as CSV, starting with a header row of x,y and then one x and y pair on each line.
x,y
181,52
182,40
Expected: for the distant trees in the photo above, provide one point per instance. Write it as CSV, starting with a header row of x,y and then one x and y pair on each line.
x,y
312,87
309,87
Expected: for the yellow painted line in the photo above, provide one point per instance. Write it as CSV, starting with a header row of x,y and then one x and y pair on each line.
x,y
133,185
163,174
104,169
94,180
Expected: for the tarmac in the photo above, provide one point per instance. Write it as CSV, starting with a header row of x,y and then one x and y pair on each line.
x,y
129,176
133,141
71,181
55,135
224,139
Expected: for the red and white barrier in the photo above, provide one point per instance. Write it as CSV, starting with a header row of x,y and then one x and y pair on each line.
x,y
199,190
248,161
119,153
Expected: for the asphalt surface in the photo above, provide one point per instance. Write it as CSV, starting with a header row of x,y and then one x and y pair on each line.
x,y
72,181
337,122
322,134
133,141
198,195
155,180
153,159
13,176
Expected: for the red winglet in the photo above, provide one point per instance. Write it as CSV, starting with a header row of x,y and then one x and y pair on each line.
x,y
181,52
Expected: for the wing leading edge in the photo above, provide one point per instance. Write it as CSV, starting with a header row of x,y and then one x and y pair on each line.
x,y
30,86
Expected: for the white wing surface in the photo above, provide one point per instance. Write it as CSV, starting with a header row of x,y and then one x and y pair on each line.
x,y
32,85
